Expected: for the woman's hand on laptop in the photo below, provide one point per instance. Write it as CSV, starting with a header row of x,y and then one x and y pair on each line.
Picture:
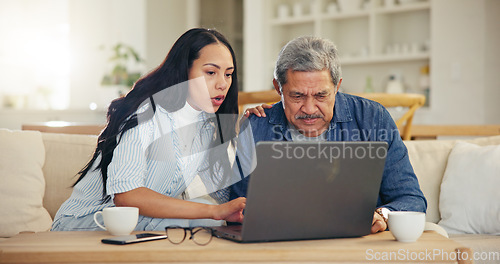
x,y
231,211
378,223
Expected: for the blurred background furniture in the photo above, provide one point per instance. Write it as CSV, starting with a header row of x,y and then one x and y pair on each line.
x,y
65,127
435,131
260,97
410,101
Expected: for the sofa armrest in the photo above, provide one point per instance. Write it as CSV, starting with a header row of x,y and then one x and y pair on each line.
x,y
65,156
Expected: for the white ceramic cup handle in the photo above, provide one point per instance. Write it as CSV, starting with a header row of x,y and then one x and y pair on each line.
x,y
97,222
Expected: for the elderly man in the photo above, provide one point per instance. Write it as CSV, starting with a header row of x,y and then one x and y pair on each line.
x,y
308,76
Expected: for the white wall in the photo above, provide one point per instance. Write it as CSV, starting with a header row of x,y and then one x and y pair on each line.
x,y
253,62
96,23
34,54
464,64
166,20
492,63
149,26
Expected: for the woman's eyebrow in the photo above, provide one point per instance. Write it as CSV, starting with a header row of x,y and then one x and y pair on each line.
x,y
212,64
217,66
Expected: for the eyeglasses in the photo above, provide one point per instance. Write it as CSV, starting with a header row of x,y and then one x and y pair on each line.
x,y
200,235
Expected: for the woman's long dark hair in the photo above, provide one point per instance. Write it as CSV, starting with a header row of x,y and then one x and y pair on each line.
x,y
121,115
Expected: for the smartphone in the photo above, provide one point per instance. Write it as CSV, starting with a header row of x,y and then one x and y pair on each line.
x,y
124,240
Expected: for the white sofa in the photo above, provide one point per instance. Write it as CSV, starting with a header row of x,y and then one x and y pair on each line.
x,y
38,169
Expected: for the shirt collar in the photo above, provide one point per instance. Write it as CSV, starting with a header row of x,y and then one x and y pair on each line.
x,y
201,116
277,114
341,111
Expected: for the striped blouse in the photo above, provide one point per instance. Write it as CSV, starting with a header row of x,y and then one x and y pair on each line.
x,y
150,155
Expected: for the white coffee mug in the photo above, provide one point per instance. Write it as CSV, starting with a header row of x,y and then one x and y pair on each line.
x,y
118,221
406,226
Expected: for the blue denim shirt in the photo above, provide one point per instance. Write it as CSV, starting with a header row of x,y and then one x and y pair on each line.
x,y
354,119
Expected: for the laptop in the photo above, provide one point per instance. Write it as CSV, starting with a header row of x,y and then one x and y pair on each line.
x,y
310,190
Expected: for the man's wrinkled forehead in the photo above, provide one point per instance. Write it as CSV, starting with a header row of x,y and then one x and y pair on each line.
x,y
310,78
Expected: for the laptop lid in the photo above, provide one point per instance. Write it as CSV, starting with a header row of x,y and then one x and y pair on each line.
x,y
312,190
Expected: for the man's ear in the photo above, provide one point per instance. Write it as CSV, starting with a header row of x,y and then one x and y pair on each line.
x,y
276,86
338,85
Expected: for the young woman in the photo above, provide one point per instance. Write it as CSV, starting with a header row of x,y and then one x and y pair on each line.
x,y
160,137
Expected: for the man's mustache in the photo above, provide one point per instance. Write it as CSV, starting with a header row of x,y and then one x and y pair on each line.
x,y
308,116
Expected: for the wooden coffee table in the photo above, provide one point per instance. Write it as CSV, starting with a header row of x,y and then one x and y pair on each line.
x,y
86,247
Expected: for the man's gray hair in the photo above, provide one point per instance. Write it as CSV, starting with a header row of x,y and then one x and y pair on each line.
x,y
307,54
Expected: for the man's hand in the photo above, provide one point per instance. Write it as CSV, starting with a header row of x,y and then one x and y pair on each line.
x,y
258,110
378,223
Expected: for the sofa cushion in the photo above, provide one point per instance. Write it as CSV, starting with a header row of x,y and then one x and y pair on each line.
x,y
485,141
469,191
65,155
429,158
22,184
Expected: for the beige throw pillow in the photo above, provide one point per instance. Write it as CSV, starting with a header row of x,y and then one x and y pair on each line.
x,y
469,200
22,184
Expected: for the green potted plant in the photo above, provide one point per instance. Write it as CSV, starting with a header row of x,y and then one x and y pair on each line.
x,y
120,75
